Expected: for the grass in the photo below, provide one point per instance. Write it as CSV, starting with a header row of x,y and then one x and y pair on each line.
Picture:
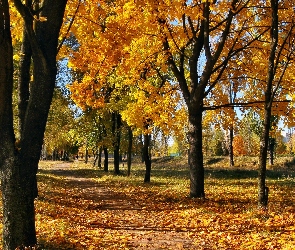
x,y
80,207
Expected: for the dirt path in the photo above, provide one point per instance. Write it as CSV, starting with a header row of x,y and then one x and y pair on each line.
x,y
105,210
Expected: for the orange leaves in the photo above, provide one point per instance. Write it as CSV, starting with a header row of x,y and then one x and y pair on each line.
x,y
87,94
239,146
120,45
82,208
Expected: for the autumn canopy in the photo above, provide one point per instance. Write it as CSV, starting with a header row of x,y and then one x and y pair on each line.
x,y
178,67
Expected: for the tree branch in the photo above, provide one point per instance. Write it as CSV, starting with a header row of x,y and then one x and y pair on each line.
x,y
69,28
241,104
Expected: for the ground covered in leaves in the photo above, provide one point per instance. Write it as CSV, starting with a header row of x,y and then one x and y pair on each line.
x,y
81,207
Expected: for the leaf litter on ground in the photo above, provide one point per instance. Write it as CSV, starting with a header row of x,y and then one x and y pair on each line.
x,y
81,207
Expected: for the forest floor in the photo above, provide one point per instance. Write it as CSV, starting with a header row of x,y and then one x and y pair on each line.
x,y
81,207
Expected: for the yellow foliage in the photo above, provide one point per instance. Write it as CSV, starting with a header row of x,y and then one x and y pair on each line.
x,y
239,146
124,40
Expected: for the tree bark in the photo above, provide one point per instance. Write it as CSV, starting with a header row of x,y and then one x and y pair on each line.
x,y
269,95
18,208
19,162
200,84
230,147
262,194
195,154
116,119
146,157
106,159
86,154
24,79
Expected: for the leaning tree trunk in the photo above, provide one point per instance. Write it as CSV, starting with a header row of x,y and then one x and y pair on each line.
x,y
195,154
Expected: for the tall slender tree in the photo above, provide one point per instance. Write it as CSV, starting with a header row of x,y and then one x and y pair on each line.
x,y
279,57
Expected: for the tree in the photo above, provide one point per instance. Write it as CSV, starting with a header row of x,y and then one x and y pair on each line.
x,y
187,39
273,61
157,106
196,43
19,159
250,128
60,125
116,131
239,146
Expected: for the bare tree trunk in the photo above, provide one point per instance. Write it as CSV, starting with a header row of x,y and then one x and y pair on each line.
x,y
95,155
269,95
18,203
116,119
106,159
129,152
24,78
262,189
230,147
195,155
86,154
18,208
147,159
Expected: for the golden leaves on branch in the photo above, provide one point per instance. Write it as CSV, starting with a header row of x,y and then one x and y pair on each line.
x,y
125,38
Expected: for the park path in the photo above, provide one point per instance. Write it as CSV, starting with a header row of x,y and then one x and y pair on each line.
x,y
95,198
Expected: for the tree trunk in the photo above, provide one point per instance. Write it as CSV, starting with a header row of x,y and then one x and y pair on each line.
x,y
18,208
99,157
106,159
116,119
17,191
129,152
86,155
142,146
195,154
146,157
116,160
95,155
262,190
24,79
230,147
19,161
269,95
